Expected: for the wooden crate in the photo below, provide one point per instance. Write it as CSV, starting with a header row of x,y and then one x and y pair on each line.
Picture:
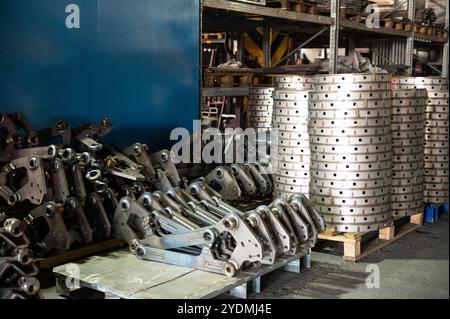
x,y
120,275
354,250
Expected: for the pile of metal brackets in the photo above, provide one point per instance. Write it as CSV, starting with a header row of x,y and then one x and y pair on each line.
x,y
241,183
60,190
196,228
68,194
17,266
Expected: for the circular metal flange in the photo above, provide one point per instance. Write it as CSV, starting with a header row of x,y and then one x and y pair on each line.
x,y
351,149
260,107
290,118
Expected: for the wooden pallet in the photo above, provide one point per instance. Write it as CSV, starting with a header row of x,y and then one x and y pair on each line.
x,y
354,250
120,275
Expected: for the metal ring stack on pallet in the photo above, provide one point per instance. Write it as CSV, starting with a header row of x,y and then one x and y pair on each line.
x,y
290,161
350,140
436,146
260,108
407,122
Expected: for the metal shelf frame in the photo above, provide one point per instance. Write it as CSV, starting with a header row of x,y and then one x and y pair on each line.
x,y
336,24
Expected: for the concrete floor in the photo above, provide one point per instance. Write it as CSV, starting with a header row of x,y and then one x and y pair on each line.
x,y
415,266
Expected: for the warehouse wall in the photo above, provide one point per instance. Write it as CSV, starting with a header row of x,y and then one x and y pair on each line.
x,y
136,61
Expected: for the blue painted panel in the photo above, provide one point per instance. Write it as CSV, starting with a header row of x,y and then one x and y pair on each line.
x,y
136,61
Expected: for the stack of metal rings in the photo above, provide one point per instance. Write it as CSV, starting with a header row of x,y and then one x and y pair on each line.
x,y
290,159
260,108
351,150
436,146
407,122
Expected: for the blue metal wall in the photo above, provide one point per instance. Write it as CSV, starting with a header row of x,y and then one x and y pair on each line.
x,y
136,61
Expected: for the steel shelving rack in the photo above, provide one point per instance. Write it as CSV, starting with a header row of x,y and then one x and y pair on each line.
x,y
401,46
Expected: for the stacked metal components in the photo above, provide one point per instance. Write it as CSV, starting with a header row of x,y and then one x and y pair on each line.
x,y
17,264
436,145
260,108
82,190
196,228
350,140
407,123
290,158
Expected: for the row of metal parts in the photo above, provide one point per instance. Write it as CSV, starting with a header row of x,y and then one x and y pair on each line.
x,y
373,138
69,194
17,265
217,237
436,138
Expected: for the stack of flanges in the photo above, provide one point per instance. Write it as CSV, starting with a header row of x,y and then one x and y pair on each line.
x,y
290,159
350,140
407,122
260,108
436,145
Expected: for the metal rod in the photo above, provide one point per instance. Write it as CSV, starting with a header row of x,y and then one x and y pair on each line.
x,y
410,41
334,35
445,51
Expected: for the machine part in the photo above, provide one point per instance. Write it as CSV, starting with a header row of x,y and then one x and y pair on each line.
x,y
164,161
244,180
61,130
97,217
263,184
16,132
290,118
162,182
436,140
260,108
59,188
78,224
247,248
139,153
56,236
119,165
32,185
17,265
351,196
221,179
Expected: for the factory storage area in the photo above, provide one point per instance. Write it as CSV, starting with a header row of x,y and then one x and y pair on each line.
x,y
224,149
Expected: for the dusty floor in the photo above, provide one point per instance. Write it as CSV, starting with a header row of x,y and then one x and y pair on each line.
x,y
415,266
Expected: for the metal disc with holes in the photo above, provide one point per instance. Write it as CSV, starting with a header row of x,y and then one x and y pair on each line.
x,y
351,150
290,159
407,106
260,107
436,141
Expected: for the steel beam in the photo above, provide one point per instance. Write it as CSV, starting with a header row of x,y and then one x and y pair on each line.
x,y
445,50
334,35
265,11
410,40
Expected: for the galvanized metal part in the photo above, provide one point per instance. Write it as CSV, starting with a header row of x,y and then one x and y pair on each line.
x,y
260,108
290,160
351,144
436,141
18,267
407,106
